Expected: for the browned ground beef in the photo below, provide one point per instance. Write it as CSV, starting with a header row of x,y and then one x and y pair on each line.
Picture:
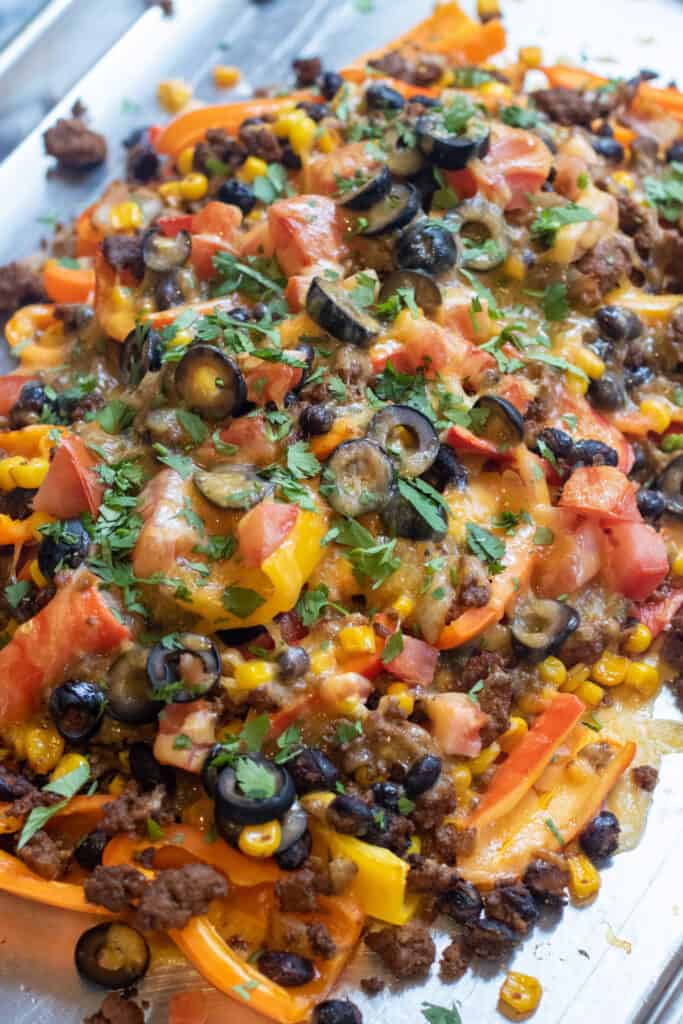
x,y
669,260
432,806
124,252
373,985
322,943
490,940
19,285
645,777
428,875
307,70
548,881
260,140
495,699
567,106
479,666
672,647
639,222
475,588
408,951
297,892
443,843
424,70
74,145
644,150
218,145
292,935
117,1010
44,856
600,270
178,894
115,888
130,811
513,905
455,960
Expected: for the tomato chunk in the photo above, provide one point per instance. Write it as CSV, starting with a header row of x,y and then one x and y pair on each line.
x,y
601,492
456,723
634,559
416,663
262,530
71,485
10,389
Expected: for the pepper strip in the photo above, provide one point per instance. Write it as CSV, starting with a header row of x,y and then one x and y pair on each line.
x,y
226,971
17,879
670,100
37,337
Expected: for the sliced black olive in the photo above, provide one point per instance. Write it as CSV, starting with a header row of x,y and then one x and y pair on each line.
x,y
330,84
607,147
295,855
287,969
498,421
446,149
145,768
393,213
557,441
600,838
424,287
232,486
167,291
674,153
252,791
401,159
304,353
446,471
337,1011
368,192
112,955
540,626
88,853
619,323
293,825
358,477
422,775
293,663
427,245
29,406
129,695
141,353
408,436
670,483
64,550
379,96
484,237
77,708
210,383
316,420
162,253
606,393
190,661
236,193
402,519
311,769
239,637
651,504
592,453
332,309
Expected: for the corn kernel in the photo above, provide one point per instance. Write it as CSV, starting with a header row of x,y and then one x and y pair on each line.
x,y
125,216
531,56
194,186
403,606
553,671
36,574
658,413
357,639
531,703
251,674
327,141
287,119
514,733
577,385
117,785
462,779
67,764
520,993
677,564
323,660
496,90
584,880
302,135
590,693
642,677
185,160
253,167
174,94
415,846
350,707
589,361
260,840
515,267
488,9
576,675
121,297
624,179
180,339
44,747
479,764
610,669
638,640
225,76
406,701
170,190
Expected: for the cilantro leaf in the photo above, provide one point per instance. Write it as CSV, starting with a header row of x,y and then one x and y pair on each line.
x,y
445,197
301,462
182,742
348,731
241,602
311,605
667,193
254,732
440,1014
543,536
393,647
270,186
427,502
15,592
67,787
519,117
194,425
555,305
255,780
115,416
182,464
548,222
288,744
154,830
489,548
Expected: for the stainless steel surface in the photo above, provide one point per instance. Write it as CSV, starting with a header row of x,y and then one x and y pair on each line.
x,y
586,977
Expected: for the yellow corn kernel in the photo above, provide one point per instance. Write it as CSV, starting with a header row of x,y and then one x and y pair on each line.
x,y
286,120
520,993
225,76
530,703
180,339
403,606
624,179
642,677
658,413
36,574
327,141
589,361
185,160
117,785
488,9
577,385
515,732
44,747
302,135
497,90
174,94
125,216
515,267
260,840
479,764
531,56
553,671
579,771
677,564
253,167
194,186
350,707
251,674
402,693
170,190
590,693
323,660
67,764
610,669
363,776
584,880
415,846
576,675
462,779
638,640
121,297
357,639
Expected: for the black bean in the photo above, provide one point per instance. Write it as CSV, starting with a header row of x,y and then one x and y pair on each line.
x,y
557,441
311,769
29,406
618,323
349,815
600,838
286,969
236,193
88,853
635,378
290,158
490,940
296,854
167,292
330,84
607,147
316,111
674,153
606,393
293,663
463,902
422,775
593,453
337,1011
387,794
316,419
651,504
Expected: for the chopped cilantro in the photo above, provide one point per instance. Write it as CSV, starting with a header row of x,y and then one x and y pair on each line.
x,y
555,305
473,693
348,731
241,602
193,425
426,501
115,416
489,548
519,117
543,536
393,647
182,464
16,592
270,186
301,462
549,221
666,193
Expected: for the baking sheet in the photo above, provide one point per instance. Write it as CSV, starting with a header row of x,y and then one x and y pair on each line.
x,y
587,975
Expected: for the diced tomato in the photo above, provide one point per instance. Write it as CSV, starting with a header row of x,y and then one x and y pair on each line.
x,y
10,389
463,182
657,615
188,1008
323,170
195,719
424,345
457,313
463,440
271,382
174,223
263,529
601,492
416,663
248,434
515,390
71,486
634,559
304,231
456,723
216,218
516,165
300,708
573,558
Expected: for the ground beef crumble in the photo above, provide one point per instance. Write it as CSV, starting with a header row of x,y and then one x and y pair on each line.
x,y
20,285
178,894
432,806
408,951
455,960
116,887
131,811
124,252
117,1010
548,881
75,146
645,777
44,856
373,985
513,905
